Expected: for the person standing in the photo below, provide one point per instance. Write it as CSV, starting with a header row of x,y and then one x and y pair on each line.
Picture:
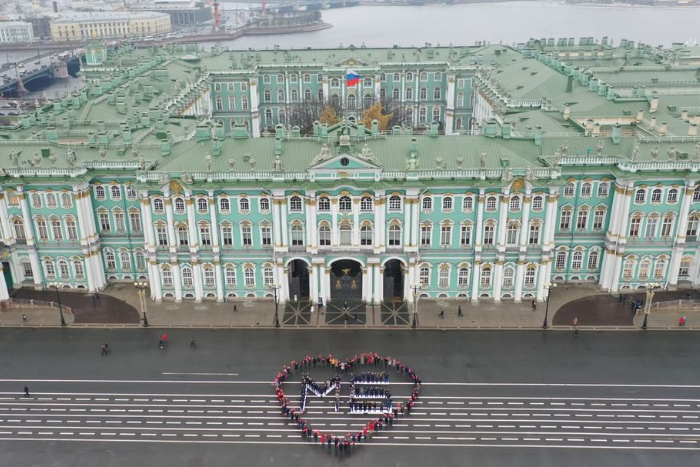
x,y
459,311
26,391
534,305
442,314
24,318
193,344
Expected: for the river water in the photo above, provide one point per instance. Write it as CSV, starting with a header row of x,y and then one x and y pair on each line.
x,y
465,24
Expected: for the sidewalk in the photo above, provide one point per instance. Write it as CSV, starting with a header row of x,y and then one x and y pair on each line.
x,y
119,305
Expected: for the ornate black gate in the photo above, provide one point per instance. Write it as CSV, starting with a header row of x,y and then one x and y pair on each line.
x,y
346,280
298,280
393,280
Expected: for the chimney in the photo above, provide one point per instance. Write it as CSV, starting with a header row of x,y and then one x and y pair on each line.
x,y
654,106
55,6
663,129
570,83
693,129
652,123
567,112
434,129
375,127
538,135
506,130
490,129
611,94
596,129
279,131
296,131
616,134
413,147
640,116
684,115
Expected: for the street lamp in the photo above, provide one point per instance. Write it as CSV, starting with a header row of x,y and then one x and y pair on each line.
x,y
549,286
647,305
274,287
141,291
415,288
56,285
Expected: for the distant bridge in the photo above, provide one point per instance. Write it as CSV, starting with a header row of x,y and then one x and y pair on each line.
x,y
15,76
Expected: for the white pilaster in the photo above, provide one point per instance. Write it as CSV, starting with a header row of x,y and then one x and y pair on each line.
x,y
154,281
450,105
519,278
335,241
177,281
285,225
475,281
219,282
497,277
191,223
4,293
541,276
356,221
679,243
254,108
479,224
314,276
214,224
173,241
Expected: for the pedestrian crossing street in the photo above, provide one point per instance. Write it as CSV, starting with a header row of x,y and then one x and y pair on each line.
x,y
577,422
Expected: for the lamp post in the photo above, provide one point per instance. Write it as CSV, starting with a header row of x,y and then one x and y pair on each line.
x,y
549,286
56,285
274,287
647,305
141,291
415,288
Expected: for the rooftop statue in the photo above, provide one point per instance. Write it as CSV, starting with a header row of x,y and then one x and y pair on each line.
x,y
599,148
655,152
277,164
345,139
483,160
323,155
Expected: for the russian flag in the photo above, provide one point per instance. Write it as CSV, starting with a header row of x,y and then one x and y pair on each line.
x,y
352,78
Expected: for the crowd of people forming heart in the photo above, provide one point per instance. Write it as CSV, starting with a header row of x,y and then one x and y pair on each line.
x,y
361,384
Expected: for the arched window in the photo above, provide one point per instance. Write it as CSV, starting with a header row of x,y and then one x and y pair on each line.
x,y
66,201
460,99
409,93
140,260
427,203
352,102
463,277
219,103
100,192
367,82
644,269
424,76
179,206
187,278
71,228
295,204
324,236
395,203
537,203
224,205
515,203
534,237
183,235
409,76
667,225
366,203
444,276
205,234
78,269
335,82
56,229
63,269
426,233
672,197
51,201
368,101
488,233
125,260
447,203
249,277
264,204
335,101
209,280
167,277
660,269
397,77
628,268
110,261
656,195
50,268
640,196
437,93
158,206
366,235
295,95
560,262
345,235
230,273
18,225
244,204
324,204
491,203
577,260
593,260
395,93
268,115
297,235
424,275
486,276
395,235
307,94
280,95
586,190
467,204
268,278
267,95
423,93
512,234
345,203
202,205
508,276
530,273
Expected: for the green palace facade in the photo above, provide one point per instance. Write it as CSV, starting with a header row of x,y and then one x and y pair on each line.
x,y
558,182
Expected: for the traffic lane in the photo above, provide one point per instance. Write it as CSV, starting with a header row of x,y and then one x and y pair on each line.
x,y
534,357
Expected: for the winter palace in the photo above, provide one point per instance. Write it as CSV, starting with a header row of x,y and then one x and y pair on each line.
x,y
553,160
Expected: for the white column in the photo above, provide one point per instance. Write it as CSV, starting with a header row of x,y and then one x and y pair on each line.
x,y
276,221
284,226
617,266
476,277
85,241
177,280
541,276
154,281
379,222
7,230
377,88
503,222
148,234
4,293
408,222
679,243
411,279
313,283
524,227
497,285
334,223
311,222
479,223
367,283
376,283
219,282
450,107
407,293
97,265
214,223
519,277
173,241
379,284
254,110
549,223
284,293
326,279
356,221
326,88
415,224
31,248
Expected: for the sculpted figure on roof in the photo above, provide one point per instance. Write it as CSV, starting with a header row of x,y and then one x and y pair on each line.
x,y
277,164
655,152
187,178
483,160
635,152
599,148
412,163
323,155
367,154
345,139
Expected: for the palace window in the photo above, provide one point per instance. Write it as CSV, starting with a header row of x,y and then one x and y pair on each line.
x,y
280,95
367,82
232,103
491,203
50,268
565,220
104,221
307,94
395,235
436,114
460,99
219,103
512,234
467,204
598,218
205,234
345,235
78,268
162,235
202,205
447,203
268,278
603,189
295,95
534,237
244,204
508,277
66,200
158,206
684,269
425,234
367,101
422,115
227,235
640,196
324,204
424,275
515,203
585,190
644,268
295,204
537,203
656,195
183,235
352,102
366,203
465,235
444,276
437,93
187,278
324,236
230,276
445,235
395,203
395,94
119,221
409,93
635,226
366,235
486,277
427,204
249,277
345,203
244,103
463,277
577,260
335,83
264,204
111,262
209,280
530,273
423,93
424,76
652,223
125,259
297,235
51,201
267,95
167,277
667,226
179,206
246,236
560,262
593,260
659,269
224,205
693,222
672,196
266,236
488,234
100,193
71,228
569,190
582,219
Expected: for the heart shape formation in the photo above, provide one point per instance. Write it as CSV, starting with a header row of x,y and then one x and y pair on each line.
x,y
369,394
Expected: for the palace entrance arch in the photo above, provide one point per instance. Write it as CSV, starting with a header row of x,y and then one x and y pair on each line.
x,y
298,280
393,280
346,280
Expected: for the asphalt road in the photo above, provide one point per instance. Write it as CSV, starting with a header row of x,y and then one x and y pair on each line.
x,y
489,398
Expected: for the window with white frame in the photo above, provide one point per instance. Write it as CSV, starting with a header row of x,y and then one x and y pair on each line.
x,y
324,236
268,278
650,229
116,192
183,235
582,219
63,269
227,235
246,236
425,234
444,277
692,229
249,277
667,226
530,273
202,205
491,203
465,235
424,275
635,226
644,269
508,277
324,204
125,259
162,235
158,206
345,203
297,235
560,260
515,203
366,235
395,235
66,201
537,203
119,221
71,228
463,277
78,268
659,269
209,280
427,203
187,277
486,276
110,261
50,268
42,229
593,260
640,196
265,235
135,221
656,195
295,204
467,204
446,235
230,273
684,269
598,218
205,234
167,275
672,196
366,203
18,226
51,201
36,200
447,204
565,220
179,206
586,190
264,204
569,190
243,204
395,203
224,205
140,260
488,234
512,234
100,193
103,216
628,268
603,189
577,260
534,237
